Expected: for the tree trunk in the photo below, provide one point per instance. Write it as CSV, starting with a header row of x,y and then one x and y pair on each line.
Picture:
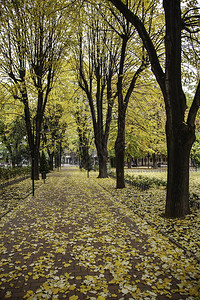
x,y
102,157
154,159
129,161
180,135
36,166
120,150
83,153
179,144
50,160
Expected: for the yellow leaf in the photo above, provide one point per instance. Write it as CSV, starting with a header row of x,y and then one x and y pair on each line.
x,y
55,291
66,265
28,294
60,250
167,280
8,295
18,262
73,297
67,275
118,264
101,298
46,286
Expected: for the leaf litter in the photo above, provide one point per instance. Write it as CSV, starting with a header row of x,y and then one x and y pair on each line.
x,y
76,240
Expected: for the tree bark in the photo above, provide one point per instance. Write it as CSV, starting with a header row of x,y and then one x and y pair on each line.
x,y
50,160
179,143
120,149
102,164
180,135
154,159
129,161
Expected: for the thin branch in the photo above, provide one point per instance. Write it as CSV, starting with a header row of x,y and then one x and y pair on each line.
x,y
194,107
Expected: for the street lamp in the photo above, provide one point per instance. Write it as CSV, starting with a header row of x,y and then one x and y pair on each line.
x,y
33,162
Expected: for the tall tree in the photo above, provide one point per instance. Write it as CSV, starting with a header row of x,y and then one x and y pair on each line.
x,y
33,40
83,117
133,60
124,90
98,53
180,127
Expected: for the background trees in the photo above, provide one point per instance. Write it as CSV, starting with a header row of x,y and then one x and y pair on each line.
x,y
33,41
145,122
12,128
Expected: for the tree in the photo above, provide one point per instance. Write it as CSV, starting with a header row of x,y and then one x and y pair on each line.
x,y
82,117
180,127
124,97
132,62
12,136
33,41
145,122
98,54
55,121
12,127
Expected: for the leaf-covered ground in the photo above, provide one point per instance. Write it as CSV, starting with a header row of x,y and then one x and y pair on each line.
x,y
150,205
12,195
78,239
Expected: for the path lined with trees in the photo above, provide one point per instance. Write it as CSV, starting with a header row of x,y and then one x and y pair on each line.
x,y
55,56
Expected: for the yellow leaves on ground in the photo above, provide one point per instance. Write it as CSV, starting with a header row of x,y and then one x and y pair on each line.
x,y
77,238
150,205
101,298
60,250
29,294
11,196
8,295
73,297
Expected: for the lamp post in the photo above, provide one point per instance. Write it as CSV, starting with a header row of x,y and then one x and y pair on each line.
x,y
33,163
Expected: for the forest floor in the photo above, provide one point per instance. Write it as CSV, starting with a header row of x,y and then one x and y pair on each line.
x,y
80,238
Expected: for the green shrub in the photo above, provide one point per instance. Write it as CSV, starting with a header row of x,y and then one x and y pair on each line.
x,y
142,182
145,182
8,173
